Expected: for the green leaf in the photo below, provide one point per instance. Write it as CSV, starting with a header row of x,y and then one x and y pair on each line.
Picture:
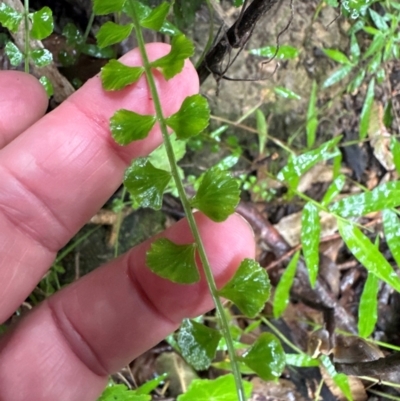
x,y
119,392
217,196
312,116
310,235
368,254
395,148
41,57
9,17
379,21
376,46
374,63
368,308
334,189
72,34
262,130
93,50
127,126
42,23
283,53
366,110
172,64
282,291
174,262
48,86
115,75
337,56
337,76
226,365
103,7
111,33
149,386
355,51
146,183
357,81
198,343
301,360
158,157
249,288
14,54
391,228
383,196
298,165
156,18
221,389
192,118
266,357
286,93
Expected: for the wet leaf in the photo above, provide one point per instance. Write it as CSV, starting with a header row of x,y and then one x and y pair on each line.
x,y
158,157
337,76
383,196
172,64
111,33
156,18
395,148
391,228
262,130
41,57
282,291
286,93
119,392
192,118
149,386
198,343
48,86
9,17
337,56
221,389
366,110
334,189
115,75
368,254
312,116
284,52
249,288
310,233
173,261
301,360
266,357
146,183
103,7
14,54
368,308
42,23
379,21
217,196
127,126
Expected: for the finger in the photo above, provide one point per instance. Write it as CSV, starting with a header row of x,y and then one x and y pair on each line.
x,y
59,172
97,325
23,101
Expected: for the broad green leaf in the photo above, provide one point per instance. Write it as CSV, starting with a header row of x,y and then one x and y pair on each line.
x,y
337,56
156,18
9,17
334,189
93,50
192,118
266,357
298,165
368,254
198,343
262,129
14,54
111,33
103,7
221,389
286,93
282,291
284,52
226,365
174,262
149,386
115,75
391,228
127,126
249,288
379,21
172,64
368,308
217,196
312,116
366,110
395,148
310,235
72,34
119,392
42,23
41,57
158,157
146,183
301,360
337,76
383,196
48,86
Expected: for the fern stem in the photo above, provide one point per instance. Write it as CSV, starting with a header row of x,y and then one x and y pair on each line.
x,y
27,37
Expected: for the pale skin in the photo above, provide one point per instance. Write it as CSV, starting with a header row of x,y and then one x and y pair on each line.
x,y
56,172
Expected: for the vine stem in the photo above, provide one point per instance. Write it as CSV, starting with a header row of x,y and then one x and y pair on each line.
x,y
27,38
188,210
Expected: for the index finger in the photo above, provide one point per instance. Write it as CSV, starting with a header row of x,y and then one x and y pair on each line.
x,y
59,172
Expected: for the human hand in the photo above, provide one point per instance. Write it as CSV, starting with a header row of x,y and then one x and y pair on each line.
x,y
55,175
